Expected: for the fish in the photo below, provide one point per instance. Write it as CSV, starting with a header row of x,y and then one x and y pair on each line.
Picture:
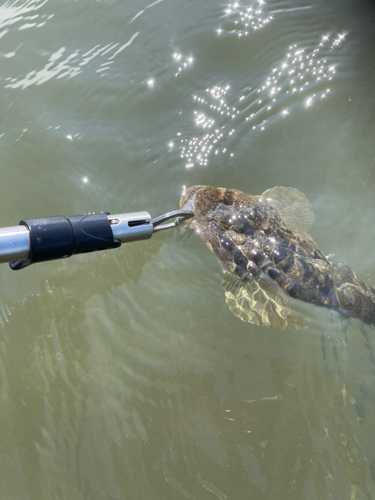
x,y
270,261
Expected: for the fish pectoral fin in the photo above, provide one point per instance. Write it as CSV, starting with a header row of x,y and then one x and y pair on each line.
x,y
293,206
264,306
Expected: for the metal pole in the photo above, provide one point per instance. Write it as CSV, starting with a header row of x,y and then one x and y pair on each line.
x,y
14,243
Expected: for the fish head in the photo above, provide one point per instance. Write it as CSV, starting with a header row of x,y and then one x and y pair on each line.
x,y
223,218
225,209
207,198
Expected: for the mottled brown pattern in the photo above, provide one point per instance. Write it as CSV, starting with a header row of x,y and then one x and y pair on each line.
x,y
252,241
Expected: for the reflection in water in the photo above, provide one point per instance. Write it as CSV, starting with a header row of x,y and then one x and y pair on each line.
x,y
183,62
239,20
61,65
21,15
180,63
303,77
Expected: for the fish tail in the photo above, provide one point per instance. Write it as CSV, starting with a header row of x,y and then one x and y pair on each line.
x,y
356,298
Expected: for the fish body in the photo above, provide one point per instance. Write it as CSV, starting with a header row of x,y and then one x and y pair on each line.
x,y
269,259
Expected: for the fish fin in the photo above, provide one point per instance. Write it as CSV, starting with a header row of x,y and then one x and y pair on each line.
x,y
261,303
293,206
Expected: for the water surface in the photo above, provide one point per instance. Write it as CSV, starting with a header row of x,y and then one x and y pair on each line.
x,y
123,374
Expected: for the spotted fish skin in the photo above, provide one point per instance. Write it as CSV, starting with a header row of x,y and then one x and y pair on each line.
x,y
258,238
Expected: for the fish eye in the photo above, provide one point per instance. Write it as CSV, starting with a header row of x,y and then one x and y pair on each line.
x,y
223,200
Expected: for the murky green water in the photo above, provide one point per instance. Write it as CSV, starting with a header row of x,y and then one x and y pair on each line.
x,y
123,374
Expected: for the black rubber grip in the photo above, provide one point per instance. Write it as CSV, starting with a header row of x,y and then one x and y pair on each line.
x,y
58,237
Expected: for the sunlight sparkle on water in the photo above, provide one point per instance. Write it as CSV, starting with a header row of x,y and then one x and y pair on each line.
x,y
182,61
299,79
244,18
338,40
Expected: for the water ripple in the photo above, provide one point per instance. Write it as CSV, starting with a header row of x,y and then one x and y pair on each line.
x,y
70,66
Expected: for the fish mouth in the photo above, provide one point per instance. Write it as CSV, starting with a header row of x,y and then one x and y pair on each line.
x,y
187,202
188,198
